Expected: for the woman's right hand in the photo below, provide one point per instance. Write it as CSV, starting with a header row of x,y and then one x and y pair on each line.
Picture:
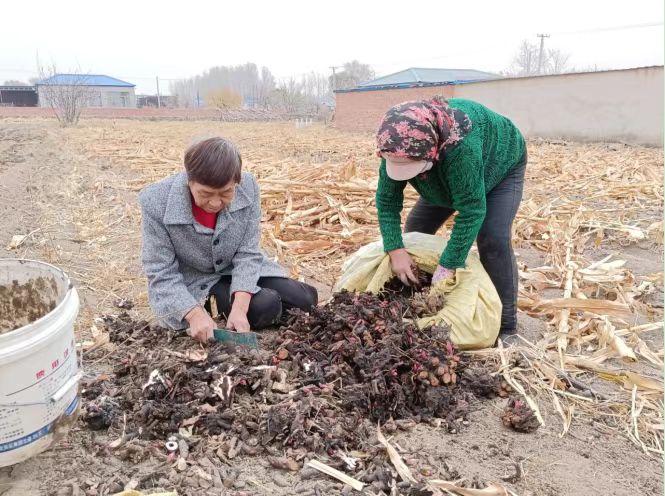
x,y
201,325
402,265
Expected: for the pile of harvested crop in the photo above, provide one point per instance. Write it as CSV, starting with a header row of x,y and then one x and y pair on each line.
x,y
317,385
23,303
381,365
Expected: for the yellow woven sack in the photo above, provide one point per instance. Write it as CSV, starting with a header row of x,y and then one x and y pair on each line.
x,y
472,306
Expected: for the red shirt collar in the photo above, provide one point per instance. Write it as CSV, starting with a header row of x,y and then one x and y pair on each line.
x,y
204,218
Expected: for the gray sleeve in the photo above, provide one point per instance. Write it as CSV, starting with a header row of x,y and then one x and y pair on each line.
x,y
168,296
248,259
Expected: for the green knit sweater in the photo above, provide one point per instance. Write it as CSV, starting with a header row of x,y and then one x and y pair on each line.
x,y
460,180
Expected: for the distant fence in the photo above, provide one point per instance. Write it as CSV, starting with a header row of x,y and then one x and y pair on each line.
x,y
157,114
622,105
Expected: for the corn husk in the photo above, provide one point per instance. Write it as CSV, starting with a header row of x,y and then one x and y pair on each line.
x,y
318,188
332,472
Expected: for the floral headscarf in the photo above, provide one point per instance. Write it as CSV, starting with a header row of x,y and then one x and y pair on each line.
x,y
421,130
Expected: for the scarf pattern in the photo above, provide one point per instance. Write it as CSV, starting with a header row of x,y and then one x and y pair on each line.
x,y
421,130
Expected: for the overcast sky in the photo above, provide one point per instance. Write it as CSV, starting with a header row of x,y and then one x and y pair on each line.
x,y
138,40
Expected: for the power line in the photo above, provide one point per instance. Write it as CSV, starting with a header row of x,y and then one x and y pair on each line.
x,y
34,71
153,77
559,33
611,28
390,63
23,71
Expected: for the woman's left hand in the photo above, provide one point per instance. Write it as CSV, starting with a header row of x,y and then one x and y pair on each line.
x,y
442,273
237,321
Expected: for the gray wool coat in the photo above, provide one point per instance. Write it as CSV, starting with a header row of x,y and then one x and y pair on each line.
x,y
183,259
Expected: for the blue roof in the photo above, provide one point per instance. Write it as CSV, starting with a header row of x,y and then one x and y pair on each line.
x,y
85,80
420,76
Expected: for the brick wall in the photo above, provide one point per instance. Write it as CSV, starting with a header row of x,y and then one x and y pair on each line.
x,y
116,113
148,113
362,110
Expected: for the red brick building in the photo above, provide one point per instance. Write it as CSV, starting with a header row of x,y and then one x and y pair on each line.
x,y
361,108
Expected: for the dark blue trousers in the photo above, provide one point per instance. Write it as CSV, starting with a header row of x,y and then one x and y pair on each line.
x,y
277,295
494,238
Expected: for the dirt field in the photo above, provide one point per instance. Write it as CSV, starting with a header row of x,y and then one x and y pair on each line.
x,y
73,192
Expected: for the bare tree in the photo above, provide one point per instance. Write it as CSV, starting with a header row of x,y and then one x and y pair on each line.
x,y
289,96
67,94
224,99
353,73
307,95
15,82
557,62
185,92
252,85
264,88
525,62
316,91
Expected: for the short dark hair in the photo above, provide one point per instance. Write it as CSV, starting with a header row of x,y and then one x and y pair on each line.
x,y
213,162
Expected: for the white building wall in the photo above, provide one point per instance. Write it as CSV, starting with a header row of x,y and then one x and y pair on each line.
x,y
100,96
623,105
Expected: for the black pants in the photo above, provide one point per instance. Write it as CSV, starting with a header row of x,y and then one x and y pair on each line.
x,y
494,238
277,295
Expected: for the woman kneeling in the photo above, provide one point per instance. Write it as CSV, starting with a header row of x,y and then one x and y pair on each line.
x,y
201,234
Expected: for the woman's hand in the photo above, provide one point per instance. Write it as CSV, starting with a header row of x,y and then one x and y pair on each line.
x,y
441,273
402,266
237,320
201,325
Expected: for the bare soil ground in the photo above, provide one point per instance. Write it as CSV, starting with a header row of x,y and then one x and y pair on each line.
x,y
78,206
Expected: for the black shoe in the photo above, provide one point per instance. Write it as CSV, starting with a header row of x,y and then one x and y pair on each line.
x,y
508,338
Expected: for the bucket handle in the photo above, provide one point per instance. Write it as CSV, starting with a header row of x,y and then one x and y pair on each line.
x,y
64,389
55,397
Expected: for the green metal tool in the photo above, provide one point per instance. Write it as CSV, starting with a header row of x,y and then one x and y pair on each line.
x,y
249,339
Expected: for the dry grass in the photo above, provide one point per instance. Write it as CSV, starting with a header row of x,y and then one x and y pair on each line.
x,y
318,200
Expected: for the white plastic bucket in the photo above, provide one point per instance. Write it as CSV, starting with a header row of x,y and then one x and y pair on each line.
x,y
39,373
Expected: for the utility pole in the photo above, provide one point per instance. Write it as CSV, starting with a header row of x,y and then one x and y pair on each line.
x,y
334,77
159,102
540,53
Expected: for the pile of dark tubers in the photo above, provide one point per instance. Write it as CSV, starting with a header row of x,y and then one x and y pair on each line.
x,y
319,385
